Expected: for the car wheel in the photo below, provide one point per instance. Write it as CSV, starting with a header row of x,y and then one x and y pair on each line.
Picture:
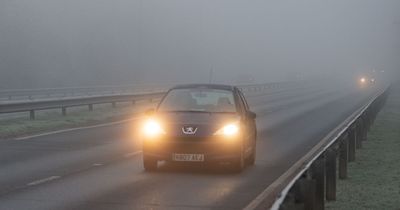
x,y
251,160
239,163
150,164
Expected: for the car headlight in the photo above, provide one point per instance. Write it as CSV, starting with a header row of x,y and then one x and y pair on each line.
x,y
152,128
228,130
362,80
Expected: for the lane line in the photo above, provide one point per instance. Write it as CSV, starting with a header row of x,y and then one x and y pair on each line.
x,y
41,181
128,155
76,129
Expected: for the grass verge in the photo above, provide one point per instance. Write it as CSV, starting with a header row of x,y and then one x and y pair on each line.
x,y
374,179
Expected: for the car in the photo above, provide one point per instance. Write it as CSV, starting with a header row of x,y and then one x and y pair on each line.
x,y
205,123
366,81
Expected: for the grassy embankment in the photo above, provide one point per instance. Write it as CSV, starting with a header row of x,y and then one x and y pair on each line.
x,y
374,179
16,125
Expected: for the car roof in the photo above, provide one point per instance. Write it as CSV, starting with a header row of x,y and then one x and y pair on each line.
x,y
207,86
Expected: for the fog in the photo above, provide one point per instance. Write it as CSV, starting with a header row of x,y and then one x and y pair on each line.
x,y
50,43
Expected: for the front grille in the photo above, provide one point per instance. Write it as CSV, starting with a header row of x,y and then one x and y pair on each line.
x,y
190,139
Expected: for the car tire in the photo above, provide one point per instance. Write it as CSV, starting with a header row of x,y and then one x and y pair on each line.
x,y
150,164
251,160
239,163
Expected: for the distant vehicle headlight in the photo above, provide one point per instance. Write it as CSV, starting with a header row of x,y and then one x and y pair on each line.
x,y
228,130
362,80
152,128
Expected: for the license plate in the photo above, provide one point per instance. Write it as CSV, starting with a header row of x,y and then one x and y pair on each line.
x,y
188,157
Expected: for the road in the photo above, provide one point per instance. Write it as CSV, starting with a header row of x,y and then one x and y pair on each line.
x,y
101,168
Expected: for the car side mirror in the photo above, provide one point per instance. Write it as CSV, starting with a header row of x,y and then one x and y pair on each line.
x,y
150,112
251,115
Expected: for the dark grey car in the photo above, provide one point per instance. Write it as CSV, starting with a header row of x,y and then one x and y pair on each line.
x,y
201,123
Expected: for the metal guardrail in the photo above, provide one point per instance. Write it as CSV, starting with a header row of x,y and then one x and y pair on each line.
x,y
31,107
259,87
31,94
312,180
64,103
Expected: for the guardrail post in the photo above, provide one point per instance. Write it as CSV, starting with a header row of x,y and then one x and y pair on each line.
x,y
90,107
331,161
64,111
32,114
318,173
289,202
307,190
371,115
343,158
352,144
359,134
364,130
367,119
375,111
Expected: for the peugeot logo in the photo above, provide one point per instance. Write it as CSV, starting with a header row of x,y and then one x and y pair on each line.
x,y
189,130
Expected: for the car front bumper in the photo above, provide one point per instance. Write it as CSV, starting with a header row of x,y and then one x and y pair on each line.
x,y
216,150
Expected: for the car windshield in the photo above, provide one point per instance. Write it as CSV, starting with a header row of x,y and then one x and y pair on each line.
x,y
198,100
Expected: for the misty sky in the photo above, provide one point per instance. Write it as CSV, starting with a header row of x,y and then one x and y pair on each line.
x,y
51,43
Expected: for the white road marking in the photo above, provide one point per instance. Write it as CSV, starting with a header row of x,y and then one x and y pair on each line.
x,y
127,155
41,181
75,129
